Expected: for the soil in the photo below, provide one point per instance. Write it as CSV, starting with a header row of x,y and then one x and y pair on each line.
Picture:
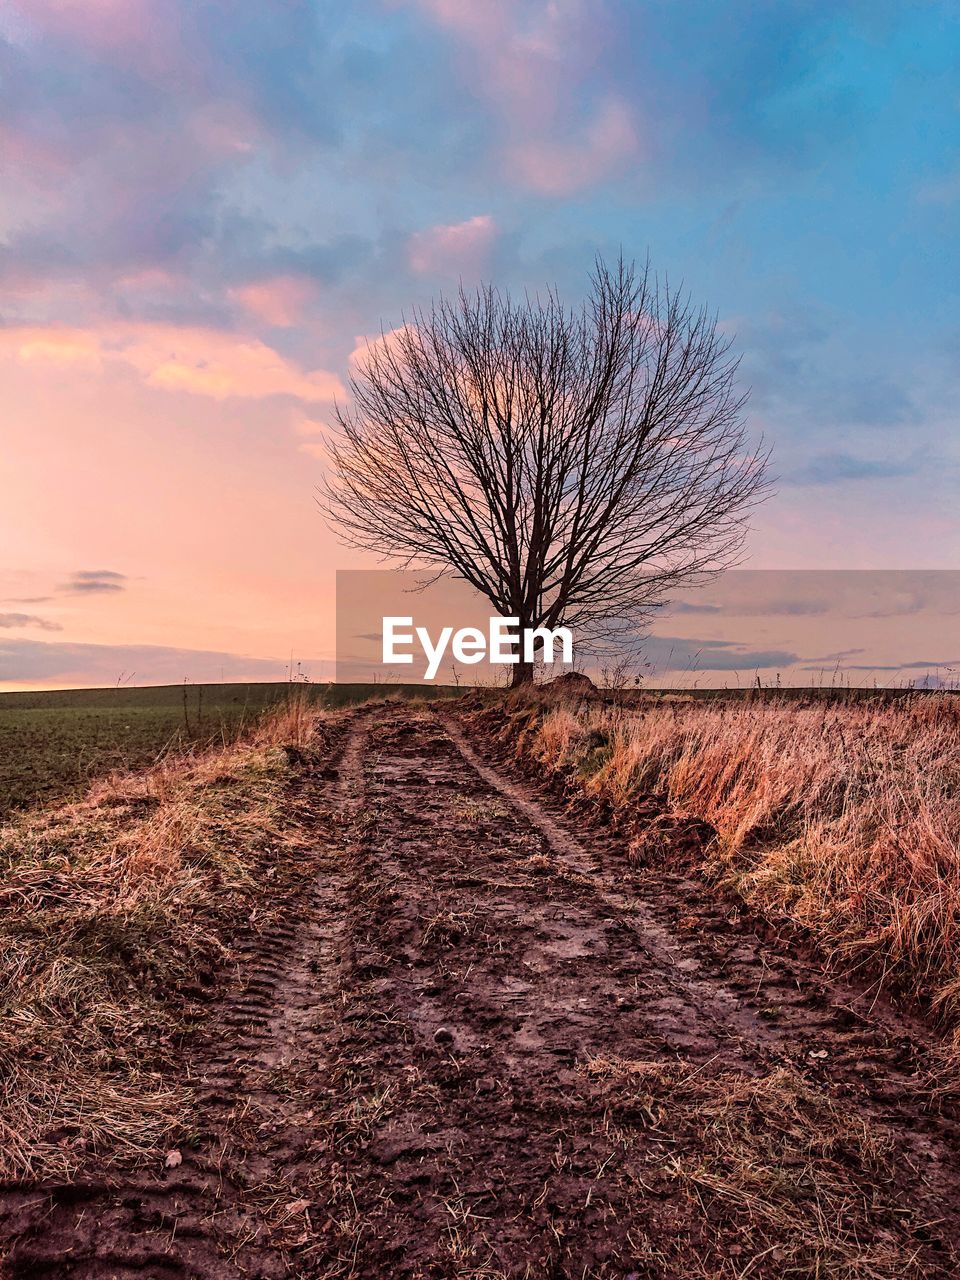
x,y
490,1045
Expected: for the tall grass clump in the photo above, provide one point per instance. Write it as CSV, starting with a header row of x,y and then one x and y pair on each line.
x,y
842,816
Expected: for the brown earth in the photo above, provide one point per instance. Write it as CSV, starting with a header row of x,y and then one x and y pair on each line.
x,y
489,1046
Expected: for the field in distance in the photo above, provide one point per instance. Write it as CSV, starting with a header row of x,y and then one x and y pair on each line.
x,y
54,742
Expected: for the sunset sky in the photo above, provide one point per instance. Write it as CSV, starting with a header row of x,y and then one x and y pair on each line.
x,y
206,207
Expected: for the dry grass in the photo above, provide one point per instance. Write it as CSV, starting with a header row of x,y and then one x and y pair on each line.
x,y
115,913
776,1174
843,817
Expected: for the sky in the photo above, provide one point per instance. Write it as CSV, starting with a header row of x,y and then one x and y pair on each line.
x,y
208,208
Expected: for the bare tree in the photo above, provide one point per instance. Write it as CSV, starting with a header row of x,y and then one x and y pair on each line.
x,y
574,466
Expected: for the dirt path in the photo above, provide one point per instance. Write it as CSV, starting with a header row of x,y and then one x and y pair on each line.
x,y
490,1048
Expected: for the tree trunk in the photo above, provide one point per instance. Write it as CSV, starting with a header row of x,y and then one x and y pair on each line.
x,y
522,674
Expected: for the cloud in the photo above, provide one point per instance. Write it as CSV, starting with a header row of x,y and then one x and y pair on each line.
x,y
453,249
682,653
9,621
800,364
602,148
130,127
62,347
788,609
899,603
198,361
92,664
953,664
949,663
837,656
746,594
103,24
841,468
686,606
95,581
268,61
279,302
843,598
315,449
561,128
206,363
366,346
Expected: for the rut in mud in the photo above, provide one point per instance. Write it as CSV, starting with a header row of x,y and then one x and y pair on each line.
x,y
488,1047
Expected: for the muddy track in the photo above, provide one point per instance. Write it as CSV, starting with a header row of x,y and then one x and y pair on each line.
x,y
759,983
490,1047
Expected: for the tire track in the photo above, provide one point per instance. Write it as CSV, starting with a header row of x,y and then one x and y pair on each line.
x,y
780,1006
714,1002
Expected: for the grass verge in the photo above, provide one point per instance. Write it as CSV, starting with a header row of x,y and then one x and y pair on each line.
x,y
116,914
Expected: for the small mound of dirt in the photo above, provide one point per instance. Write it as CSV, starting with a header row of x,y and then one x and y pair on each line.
x,y
671,840
572,682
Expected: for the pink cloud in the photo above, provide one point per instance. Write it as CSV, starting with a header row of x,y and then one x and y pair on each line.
x,y
205,362
315,449
199,361
606,146
106,24
457,249
40,161
151,282
530,63
280,301
308,427
366,347
523,63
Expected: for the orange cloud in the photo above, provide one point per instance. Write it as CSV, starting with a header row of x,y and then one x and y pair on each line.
x,y
204,362
458,248
52,345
